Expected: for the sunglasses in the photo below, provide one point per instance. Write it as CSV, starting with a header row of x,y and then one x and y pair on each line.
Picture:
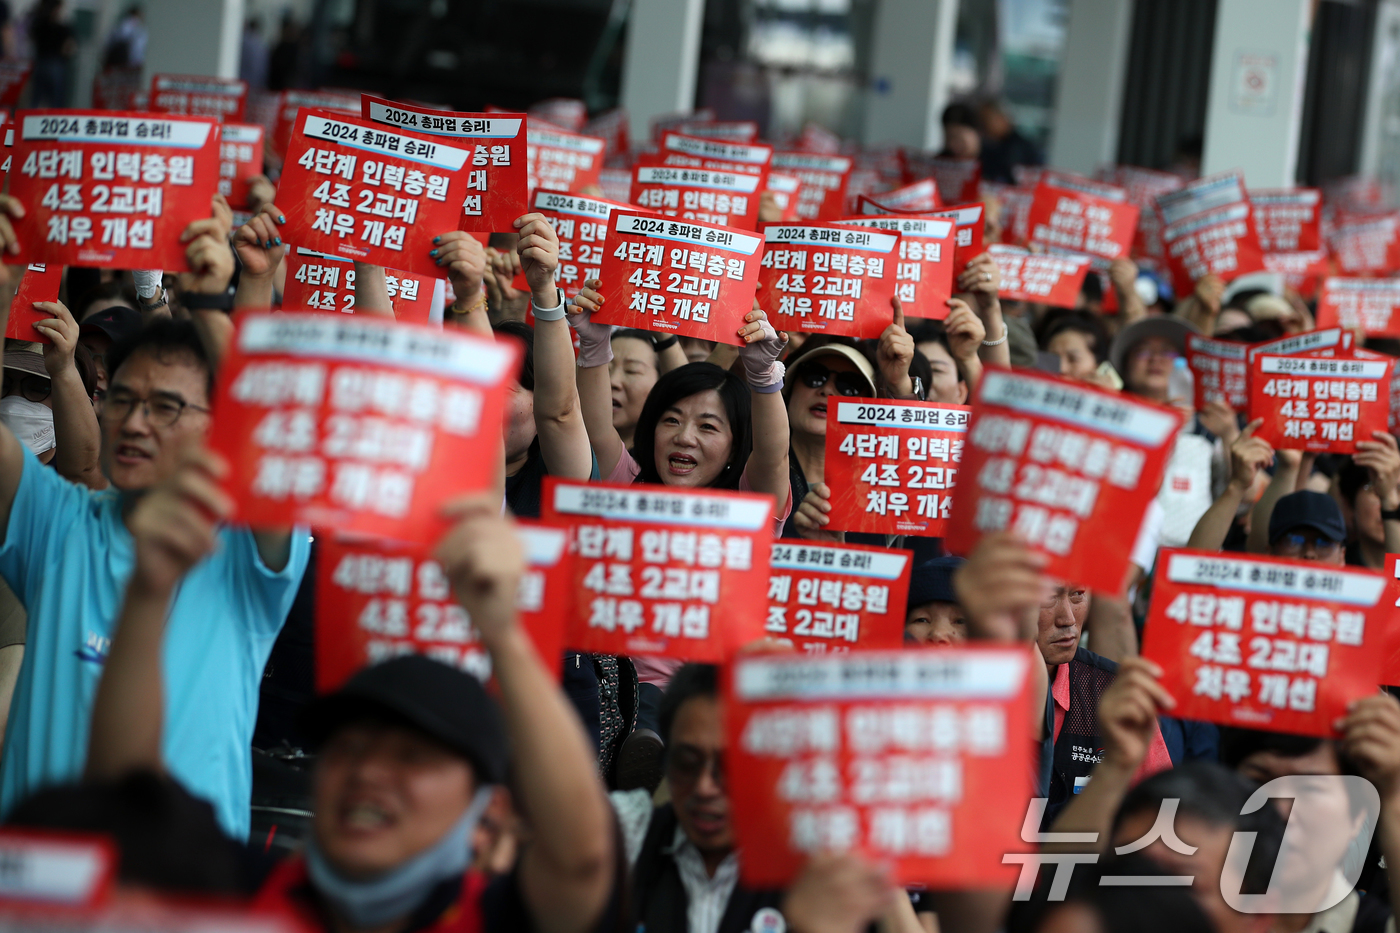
x,y
33,388
815,375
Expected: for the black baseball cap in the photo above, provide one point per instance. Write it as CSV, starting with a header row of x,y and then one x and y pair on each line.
x,y
442,701
118,322
932,581
1307,509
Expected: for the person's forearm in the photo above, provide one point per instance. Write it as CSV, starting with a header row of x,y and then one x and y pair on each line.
x,y
768,462
77,457
128,711
1214,524
1285,476
372,291
995,325
1110,626
1130,306
254,291
673,357
1092,809
723,355
595,397
471,314
901,386
558,414
556,778
972,372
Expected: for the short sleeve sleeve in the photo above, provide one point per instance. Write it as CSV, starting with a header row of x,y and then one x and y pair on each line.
x,y
44,509
269,594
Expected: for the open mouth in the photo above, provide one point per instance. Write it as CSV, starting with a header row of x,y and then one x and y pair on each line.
x,y
681,464
365,817
128,455
819,410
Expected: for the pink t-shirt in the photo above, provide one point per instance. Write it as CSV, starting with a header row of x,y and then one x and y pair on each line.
x,y
658,671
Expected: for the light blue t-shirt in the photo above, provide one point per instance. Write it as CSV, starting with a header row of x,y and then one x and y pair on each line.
x,y
68,556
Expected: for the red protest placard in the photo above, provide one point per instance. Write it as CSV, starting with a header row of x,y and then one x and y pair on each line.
x,y
824,179
786,191
38,282
817,138
562,161
356,423
1360,304
1082,215
1201,196
1218,242
957,179
1325,404
968,222
692,280
496,179
1067,466
291,102
111,189
378,599
352,188
708,195
1265,643
1324,342
1221,371
320,282
837,597
13,77
240,158
920,196
581,223
892,465
1288,220
224,99
735,131
567,112
1055,280
654,564
1301,271
1390,667
923,278
908,757
1370,247
828,279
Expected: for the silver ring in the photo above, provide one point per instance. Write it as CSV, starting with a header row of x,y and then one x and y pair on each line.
x,y
986,276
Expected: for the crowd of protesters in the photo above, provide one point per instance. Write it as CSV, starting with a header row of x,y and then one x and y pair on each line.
x,y
154,657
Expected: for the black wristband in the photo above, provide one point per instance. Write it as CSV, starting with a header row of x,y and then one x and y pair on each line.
x,y
1393,516
665,344
198,301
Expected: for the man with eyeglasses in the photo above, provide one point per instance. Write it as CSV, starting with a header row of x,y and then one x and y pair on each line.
x,y
67,553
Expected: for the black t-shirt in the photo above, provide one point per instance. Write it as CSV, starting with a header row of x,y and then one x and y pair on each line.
x,y
525,490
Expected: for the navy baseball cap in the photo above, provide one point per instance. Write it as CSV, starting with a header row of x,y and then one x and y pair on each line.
x,y
1307,509
932,581
118,322
442,701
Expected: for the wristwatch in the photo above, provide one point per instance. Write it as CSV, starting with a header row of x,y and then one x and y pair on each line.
x,y
157,300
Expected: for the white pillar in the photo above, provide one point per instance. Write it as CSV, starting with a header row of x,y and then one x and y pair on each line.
x,y
1089,90
1257,73
197,38
1380,132
660,61
911,57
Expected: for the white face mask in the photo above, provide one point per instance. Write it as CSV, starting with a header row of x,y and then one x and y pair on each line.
x,y
31,422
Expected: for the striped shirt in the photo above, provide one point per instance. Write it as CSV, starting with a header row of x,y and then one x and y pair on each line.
x,y
708,896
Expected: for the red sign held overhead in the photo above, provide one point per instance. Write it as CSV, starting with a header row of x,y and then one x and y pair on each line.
x,y
654,565
38,282
1265,643
320,282
496,182
828,279
292,102
1318,403
957,179
1221,371
892,465
1288,220
1368,305
1055,280
240,158
710,181
920,196
567,112
1083,216
908,757
968,223
923,278
378,599
563,161
1208,228
1301,271
356,423
352,188
1069,467
786,191
692,280
581,223
1370,247
837,597
224,99
824,179
111,189
736,131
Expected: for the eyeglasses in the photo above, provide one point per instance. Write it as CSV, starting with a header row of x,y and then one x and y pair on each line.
x,y
685,765
34,388
815,375
1161,353
1294,544
161,411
